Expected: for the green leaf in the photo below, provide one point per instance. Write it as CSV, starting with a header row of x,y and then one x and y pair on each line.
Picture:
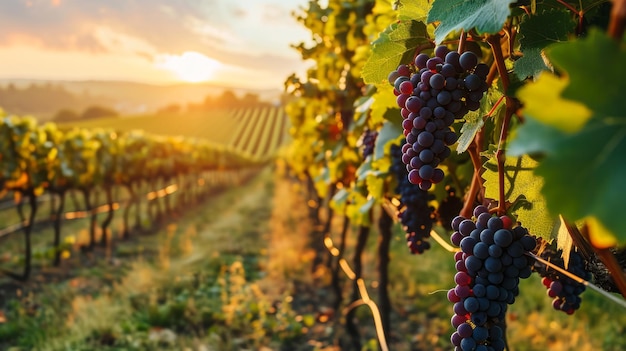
x,y
389,133
537,32
473,124
523,189
596,70
487,16
584,174
396,45
339,200
530,64
533,138
583,167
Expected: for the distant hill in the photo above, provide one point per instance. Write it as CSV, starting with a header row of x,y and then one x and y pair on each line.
x,y
45,98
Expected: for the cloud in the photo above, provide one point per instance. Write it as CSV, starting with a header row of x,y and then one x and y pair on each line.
x,y
254,35
72,24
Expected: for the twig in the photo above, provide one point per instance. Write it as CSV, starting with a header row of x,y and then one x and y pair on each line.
x,y
500,154
468,206
462,40
365,300
618,19
494,42
442,242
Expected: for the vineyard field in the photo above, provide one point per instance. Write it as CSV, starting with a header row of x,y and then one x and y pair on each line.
x,y
446,175
251,228
258,131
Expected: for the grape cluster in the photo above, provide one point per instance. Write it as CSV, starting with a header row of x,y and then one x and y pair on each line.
x,y
564,291
449,207
490,264
369,140
415,215
432,93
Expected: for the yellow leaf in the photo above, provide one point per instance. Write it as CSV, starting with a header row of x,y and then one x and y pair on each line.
x,y
564,241
53,154
599,235
39,191
542,100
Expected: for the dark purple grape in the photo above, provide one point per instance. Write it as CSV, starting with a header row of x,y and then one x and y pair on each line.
x,y
468,60
441,51
392,77
413,104
420,61
437,81
472,82
403,70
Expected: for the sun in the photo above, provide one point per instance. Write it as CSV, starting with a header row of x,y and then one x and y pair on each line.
x,y
190,66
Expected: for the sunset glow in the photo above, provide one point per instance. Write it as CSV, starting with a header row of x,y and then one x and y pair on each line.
x,y
151,41
191,66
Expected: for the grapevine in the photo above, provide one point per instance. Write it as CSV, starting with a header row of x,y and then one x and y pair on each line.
x,y
480,109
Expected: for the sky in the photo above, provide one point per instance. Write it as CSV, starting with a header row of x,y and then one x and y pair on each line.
x,y
239,43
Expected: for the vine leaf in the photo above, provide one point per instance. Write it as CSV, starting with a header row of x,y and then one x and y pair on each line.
x,y
583,168
417,10
603,93
474,121
487,16
396,45
523,190
543,98
473,124
389,134
537,32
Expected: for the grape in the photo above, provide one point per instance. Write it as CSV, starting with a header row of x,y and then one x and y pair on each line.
x,y
420,61
444,98
481,70
425,139
564,290
444,88
403,70
468,60
413,103
472,82
441,51
448,71
393,76
369,140
415,214
487,279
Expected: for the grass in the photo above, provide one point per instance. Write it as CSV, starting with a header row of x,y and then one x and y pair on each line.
x,y
186,288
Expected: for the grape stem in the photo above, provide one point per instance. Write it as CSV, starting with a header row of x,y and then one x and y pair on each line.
x,y
462,40
580,280
496,48
474,153
500,154
618,19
